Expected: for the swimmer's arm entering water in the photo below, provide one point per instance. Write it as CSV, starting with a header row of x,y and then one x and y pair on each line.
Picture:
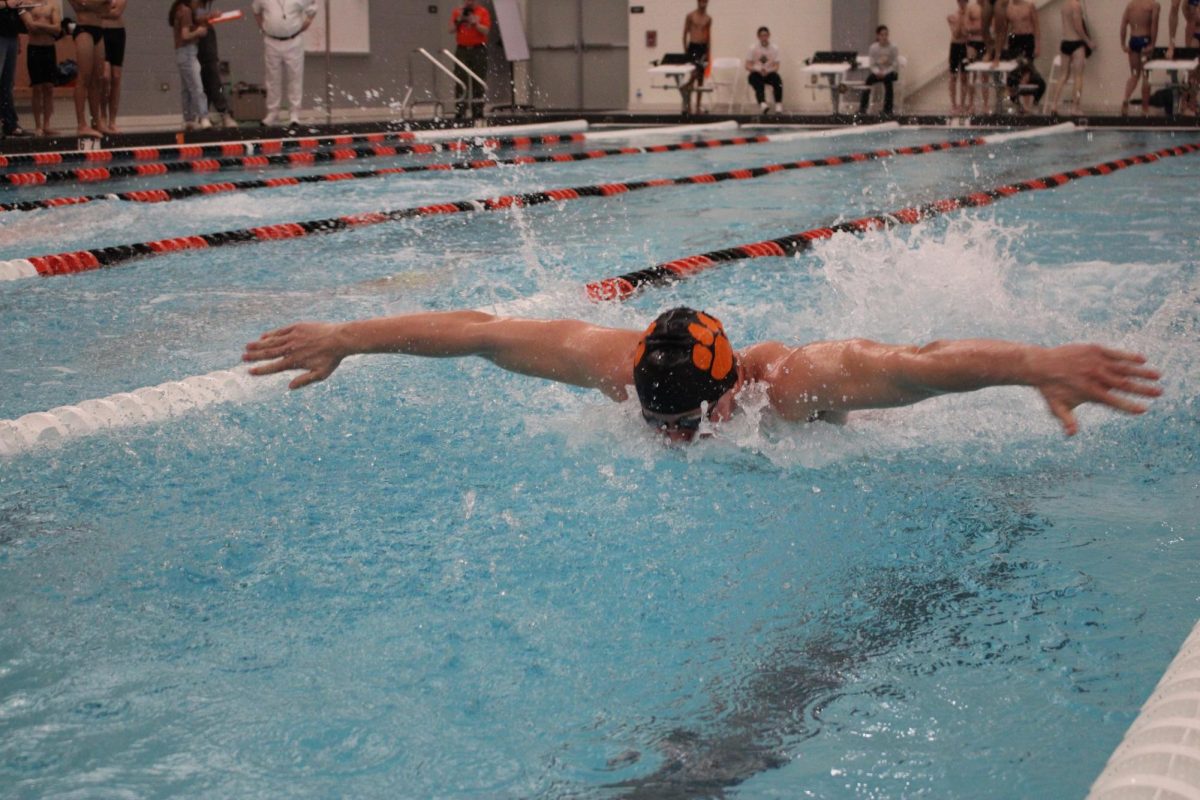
x,y
860,374
567,351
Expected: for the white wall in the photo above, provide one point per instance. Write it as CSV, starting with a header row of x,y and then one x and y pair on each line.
x,y
919,29
798,28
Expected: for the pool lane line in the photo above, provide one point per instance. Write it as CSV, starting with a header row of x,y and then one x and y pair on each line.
x,y
97,258
300,153
1157,755
184,192
304,158
626,286
280,144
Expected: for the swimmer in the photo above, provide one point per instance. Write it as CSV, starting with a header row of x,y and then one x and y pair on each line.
x,y
1139,32
685,372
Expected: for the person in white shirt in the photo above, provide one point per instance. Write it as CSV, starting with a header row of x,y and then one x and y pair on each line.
x,y
884,58
282,22
762,62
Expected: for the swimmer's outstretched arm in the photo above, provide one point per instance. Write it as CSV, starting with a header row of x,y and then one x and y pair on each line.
x,y
860,374
567,351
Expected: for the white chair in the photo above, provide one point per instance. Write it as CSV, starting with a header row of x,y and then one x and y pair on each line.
x,y
725,76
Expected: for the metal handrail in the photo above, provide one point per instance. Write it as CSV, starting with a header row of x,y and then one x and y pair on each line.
x,y
465,68
441,66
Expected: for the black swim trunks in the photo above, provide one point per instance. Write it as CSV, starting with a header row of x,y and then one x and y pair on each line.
x,y
698,54
114,46
1021,44
1069,46
978,46
95,31
42,62
958,57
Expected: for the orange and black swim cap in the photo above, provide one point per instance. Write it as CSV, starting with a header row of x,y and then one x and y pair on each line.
x,y
683,360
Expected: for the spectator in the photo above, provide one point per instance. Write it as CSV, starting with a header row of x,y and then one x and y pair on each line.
x,y
762,62
1076,47
470,25
44,24
11,27
1140,25
210,63
697,42
282,22
191,91
884,57
114,61
89,58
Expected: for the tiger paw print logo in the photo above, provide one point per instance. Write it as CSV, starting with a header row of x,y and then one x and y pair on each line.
x,y
712,352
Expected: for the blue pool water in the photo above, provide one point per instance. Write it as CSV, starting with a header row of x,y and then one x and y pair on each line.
x,y
435,579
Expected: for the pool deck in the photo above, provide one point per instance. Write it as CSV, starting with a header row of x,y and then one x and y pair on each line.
x,y
151,136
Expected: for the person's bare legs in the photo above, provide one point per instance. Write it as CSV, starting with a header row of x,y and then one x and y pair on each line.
x,y
1078,62
36,106
1056,93
44,96
113,95
96,92
954,91
1135,72
85,57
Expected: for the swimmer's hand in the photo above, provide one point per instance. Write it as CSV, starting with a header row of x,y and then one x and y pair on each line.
x,y
315,347
1074,374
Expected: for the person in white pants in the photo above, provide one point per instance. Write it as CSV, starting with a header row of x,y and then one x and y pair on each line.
x,y
282,23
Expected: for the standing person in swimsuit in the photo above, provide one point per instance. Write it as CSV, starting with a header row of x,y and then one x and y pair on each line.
x,y
697,42
1024,44
1076,48
89,56
688,378
959,39
1139,32
1191,38
976,48
1191,25
114,62
44,23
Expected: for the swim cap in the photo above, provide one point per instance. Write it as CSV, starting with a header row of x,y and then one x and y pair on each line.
x,y
683,360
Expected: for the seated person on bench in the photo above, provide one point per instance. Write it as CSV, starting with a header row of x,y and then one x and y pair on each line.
x,y
884,57
762,62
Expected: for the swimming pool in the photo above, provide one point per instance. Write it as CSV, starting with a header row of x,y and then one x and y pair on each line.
x,y
434,579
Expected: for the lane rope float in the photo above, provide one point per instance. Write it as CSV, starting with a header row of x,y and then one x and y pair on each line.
x,y
278,145
99,174
97,258
625,286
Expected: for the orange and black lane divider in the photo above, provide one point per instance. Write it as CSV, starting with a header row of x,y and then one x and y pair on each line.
x,y
82,261
626,286
271,146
